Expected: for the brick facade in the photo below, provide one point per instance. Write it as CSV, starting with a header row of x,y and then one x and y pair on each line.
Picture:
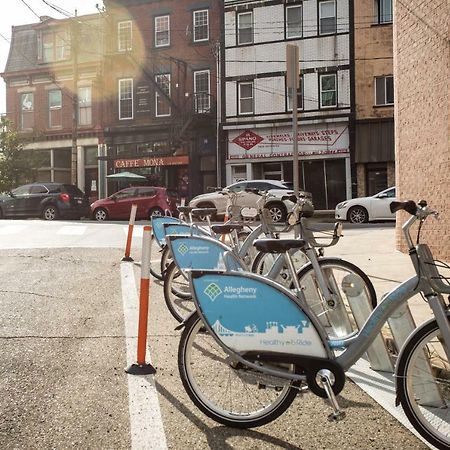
x,y
422,69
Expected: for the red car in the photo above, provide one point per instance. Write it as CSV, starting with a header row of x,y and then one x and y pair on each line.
x,y
150,201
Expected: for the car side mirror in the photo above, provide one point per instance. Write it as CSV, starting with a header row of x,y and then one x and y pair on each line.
x,y
10,194
382,196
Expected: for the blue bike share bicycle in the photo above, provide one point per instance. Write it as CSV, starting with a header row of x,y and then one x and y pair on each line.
x,y
252,345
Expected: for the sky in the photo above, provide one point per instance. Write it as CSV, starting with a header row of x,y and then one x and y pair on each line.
x,y
20,12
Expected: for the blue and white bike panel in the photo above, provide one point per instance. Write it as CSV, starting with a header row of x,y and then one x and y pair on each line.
x,y
249,314
183,229
158,228
201,253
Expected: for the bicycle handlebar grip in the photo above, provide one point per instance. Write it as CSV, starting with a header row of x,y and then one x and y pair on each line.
x,y
409,206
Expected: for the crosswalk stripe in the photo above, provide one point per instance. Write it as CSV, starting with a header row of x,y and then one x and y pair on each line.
x,y
12,229
75,230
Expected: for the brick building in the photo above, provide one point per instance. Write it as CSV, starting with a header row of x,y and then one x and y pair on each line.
x,y
374,96
160,90
422,119
40,92
144,75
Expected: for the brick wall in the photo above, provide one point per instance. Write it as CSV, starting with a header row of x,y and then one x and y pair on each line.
x,y
422,86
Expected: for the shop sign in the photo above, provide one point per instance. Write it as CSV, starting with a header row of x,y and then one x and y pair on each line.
x,y
143,99
323,139
151,162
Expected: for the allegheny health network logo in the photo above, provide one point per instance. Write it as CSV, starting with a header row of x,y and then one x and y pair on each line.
x,y
183,249
212,291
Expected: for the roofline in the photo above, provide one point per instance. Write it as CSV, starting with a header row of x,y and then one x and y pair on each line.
x,y
52,20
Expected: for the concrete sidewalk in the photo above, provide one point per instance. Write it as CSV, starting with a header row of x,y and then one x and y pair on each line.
x,y
373,250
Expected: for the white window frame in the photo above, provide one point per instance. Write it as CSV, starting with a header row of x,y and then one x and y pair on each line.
x,y
124,24
85,106
121,81
208,102
28,111
240,98
335,90
384,78
194,26
291,7
157,30
165,77
378,15
320,17
54,108
239,15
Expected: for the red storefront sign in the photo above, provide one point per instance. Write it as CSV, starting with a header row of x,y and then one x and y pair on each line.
x,y
247,139
152,162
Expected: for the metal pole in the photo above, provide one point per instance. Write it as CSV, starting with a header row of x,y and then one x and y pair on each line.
x,y
74,43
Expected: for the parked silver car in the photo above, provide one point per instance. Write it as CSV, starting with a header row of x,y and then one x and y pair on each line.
x,y
277,207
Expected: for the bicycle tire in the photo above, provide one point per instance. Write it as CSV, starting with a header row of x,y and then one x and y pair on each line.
x,y
178,300
339,274
412,379
155,269
166,259
206,370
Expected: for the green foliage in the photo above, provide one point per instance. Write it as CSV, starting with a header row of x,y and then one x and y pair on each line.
x,y
17,166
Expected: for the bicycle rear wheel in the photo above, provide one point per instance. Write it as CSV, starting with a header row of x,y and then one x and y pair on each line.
x,y
423,384
225,390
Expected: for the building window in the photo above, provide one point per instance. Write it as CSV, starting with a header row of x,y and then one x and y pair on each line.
x,y
245,97
328,91
162,106
55,46
327,17
125,36
383,11
162,31
294,21
54,109
202,91
27,111
201,25
384,90
85,105
245,28
299,95
126,98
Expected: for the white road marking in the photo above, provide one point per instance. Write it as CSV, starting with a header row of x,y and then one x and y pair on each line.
x,y
72,230
138,231
147,431
12,229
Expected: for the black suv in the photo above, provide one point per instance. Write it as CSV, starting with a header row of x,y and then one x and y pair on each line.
x,y
47,200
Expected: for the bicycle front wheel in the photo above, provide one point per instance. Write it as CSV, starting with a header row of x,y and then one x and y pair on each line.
x,y
349,289
177,293
423,385
225,390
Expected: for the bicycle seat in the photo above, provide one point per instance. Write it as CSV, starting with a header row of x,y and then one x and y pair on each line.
x,y
185,209
278,245
226,229
197,212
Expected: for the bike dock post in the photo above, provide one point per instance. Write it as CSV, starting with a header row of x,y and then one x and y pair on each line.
x,y
141,367
127,256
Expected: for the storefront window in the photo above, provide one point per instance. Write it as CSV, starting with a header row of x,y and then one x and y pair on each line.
x,y
90,156
62,158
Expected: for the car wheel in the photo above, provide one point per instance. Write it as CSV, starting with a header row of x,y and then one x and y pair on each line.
x,y
277,212
358,214
100,214
50,212
155,212
206,205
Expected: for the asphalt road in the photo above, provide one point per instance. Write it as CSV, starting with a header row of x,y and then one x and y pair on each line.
x,y
62,383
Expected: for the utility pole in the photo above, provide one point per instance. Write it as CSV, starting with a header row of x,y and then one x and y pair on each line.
x,y
74,50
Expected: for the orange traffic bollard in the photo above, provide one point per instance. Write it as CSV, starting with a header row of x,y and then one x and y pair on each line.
x,y
127,256
141,367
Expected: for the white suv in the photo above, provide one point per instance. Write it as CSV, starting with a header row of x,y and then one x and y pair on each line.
x,y
277,207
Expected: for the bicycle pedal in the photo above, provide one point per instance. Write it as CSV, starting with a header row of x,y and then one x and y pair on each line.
x,y
336,416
